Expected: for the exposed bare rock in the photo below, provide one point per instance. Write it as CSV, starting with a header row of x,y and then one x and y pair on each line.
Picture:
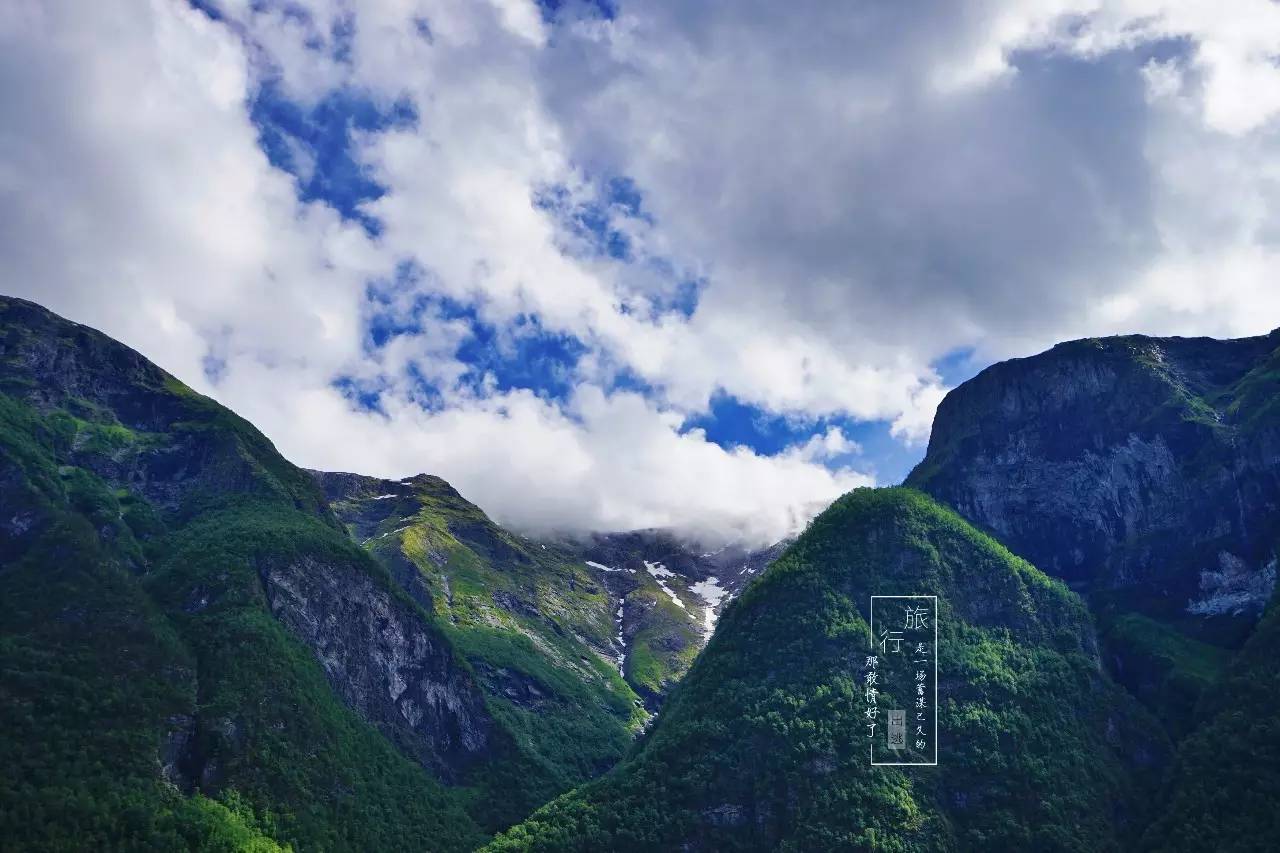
x,y
384,660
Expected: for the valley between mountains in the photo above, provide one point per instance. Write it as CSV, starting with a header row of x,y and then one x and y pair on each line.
x,y
206,647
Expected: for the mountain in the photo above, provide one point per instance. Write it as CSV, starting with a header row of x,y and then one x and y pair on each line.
x,y
1143,469
1146,472
534,621
193,652
205,647
763,745
1141,472
532,614
202,645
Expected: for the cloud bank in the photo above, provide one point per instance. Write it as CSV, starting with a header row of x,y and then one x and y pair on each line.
x,y
528,247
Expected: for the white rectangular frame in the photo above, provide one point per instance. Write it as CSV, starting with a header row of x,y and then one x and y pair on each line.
x,y
872,628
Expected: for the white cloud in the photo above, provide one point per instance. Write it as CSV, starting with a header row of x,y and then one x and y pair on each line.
x,y
607,462
831,444
1232,52
135,198
889,186
859,193
459,184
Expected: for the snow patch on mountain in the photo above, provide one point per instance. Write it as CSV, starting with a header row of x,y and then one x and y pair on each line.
x,y
713,594
660,574
622,641
385,535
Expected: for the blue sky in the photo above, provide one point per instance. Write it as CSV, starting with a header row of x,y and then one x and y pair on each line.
x,y
609,265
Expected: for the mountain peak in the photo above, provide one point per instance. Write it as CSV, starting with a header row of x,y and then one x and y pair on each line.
x,y
764,742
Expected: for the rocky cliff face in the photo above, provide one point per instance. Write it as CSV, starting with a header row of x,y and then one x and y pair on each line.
x,y
1146,472
175,450
383,660
1146,468
535,623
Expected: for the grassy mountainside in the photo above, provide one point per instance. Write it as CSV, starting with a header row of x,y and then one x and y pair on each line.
x,y
1224,788
535,622
193,654
762,745
573,636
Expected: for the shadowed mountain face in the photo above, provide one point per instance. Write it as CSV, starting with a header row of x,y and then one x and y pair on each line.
x,y
1222,791
1146,471
763,745
166,577
1144,468
1143,471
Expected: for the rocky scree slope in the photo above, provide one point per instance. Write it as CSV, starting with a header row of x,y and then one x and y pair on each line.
x,y
670,594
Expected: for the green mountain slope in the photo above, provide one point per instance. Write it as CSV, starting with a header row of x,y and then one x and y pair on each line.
x,y
1224,788
571,639
1146,471
763,746
533,619
193,654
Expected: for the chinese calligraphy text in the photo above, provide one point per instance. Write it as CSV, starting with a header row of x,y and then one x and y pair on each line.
x,y
900,680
